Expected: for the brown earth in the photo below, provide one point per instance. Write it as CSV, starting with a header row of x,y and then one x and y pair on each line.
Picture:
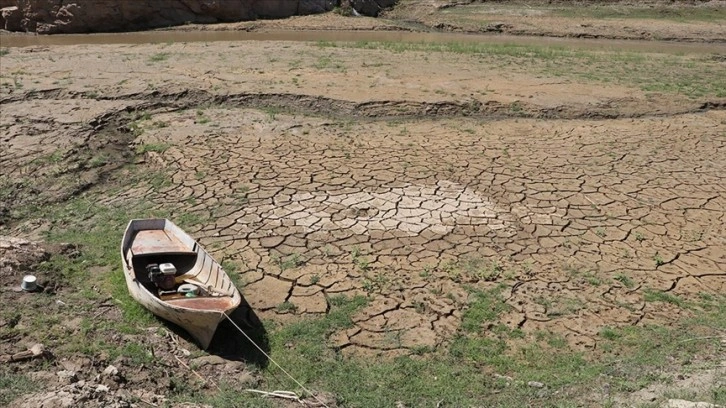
x,y
406,178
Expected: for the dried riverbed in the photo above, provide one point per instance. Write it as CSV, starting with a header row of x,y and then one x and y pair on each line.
x,y
406,176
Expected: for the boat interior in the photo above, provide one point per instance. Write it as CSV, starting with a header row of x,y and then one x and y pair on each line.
x,y
184,263
159,246
208,298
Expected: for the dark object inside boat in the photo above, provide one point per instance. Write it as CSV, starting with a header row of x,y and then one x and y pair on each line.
x,y
162,275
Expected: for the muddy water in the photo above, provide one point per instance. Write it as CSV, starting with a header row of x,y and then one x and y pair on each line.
x,y
150,37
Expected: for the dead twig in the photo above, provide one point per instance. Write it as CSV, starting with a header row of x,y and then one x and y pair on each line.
x,y
38,350
703,338
290,396
104,310
147,402
197,374
593,203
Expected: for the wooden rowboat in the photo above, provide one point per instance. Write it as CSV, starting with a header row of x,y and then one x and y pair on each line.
x,y
148,243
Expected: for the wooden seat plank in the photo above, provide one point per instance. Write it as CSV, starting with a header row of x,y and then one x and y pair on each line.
x,y
157,241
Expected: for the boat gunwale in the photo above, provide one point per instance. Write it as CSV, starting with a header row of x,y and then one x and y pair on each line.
x,y
128,256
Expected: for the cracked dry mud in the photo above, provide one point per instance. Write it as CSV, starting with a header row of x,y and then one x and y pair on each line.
x,y
578,218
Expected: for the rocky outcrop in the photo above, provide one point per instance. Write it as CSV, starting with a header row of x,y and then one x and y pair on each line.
x,y
82,16
11,18
371,7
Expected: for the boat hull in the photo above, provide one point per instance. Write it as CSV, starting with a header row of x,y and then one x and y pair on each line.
x,y
199,316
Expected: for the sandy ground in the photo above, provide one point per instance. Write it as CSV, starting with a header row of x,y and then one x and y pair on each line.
x,y
402,177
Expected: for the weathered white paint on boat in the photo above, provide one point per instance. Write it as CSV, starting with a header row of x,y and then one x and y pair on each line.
x,y
160,240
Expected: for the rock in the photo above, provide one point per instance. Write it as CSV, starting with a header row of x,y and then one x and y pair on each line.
x,y
11,18
275,8
101,388
80,16
111,377
208,360
678,403
110,371
67,377
506,378
535,384
314,6
371,7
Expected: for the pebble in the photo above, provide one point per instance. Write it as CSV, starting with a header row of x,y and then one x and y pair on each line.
x,y
503,377
67,376
535,384
110,371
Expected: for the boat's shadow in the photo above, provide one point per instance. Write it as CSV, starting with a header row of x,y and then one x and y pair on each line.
x,y
245,340
235,341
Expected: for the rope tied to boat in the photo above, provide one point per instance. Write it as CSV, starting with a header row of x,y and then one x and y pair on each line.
x,y
279,394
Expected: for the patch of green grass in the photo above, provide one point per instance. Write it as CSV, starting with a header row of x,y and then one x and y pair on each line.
x,y
287,262
480,269
202,118
359,260
328,62
98,161
286,306
53,158
272,111
228,396
13,385
4,52
592,278
158,179
188,219
485,306
159,56
98,246
651,295
608,333
230,267
625,280
719,395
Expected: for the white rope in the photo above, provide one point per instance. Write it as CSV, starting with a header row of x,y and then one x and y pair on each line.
x,y
274,362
